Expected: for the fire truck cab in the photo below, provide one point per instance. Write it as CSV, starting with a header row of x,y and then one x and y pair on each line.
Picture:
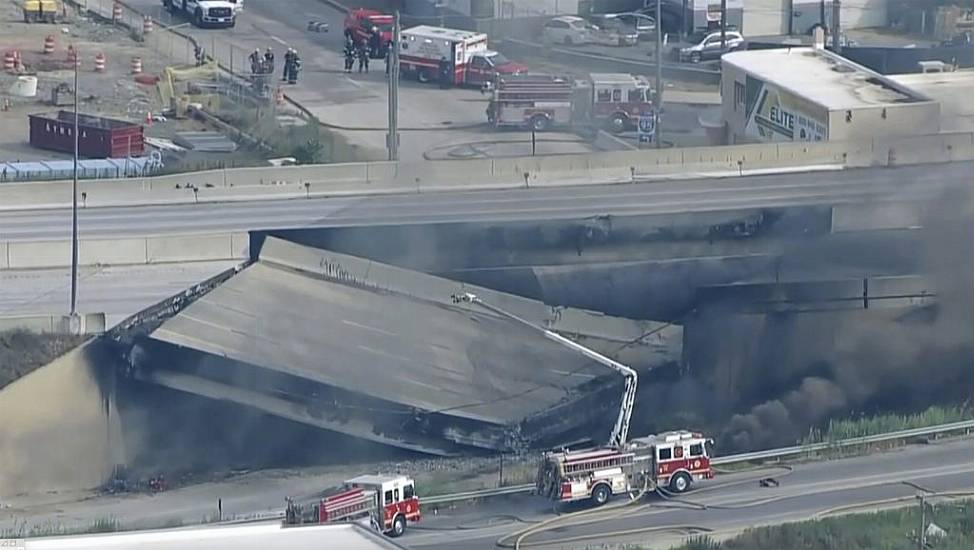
x,y
465,53
671,460
614,101
360,24
386,502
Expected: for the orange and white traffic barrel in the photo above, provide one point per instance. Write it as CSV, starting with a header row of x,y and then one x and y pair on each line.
x,y
10,60
49,44
99,62
279,96
136,65
116,12
146,25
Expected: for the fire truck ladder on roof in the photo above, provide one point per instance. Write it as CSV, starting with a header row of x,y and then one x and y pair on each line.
x,y
620,433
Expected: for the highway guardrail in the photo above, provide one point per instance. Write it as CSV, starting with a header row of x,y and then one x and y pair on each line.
x,y
739,458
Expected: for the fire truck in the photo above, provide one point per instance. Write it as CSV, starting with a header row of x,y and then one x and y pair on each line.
x,y
671,460
540,102
465,52
359,25
385,502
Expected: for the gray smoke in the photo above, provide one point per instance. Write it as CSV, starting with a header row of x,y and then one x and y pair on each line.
x,y
875,361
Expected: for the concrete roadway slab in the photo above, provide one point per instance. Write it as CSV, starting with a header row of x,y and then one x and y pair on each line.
x,y
117,291
381,343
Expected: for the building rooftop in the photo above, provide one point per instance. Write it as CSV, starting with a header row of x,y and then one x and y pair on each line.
x,y
952,90
823,77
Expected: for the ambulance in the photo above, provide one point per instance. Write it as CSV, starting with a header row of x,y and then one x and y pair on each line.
x,y
468,61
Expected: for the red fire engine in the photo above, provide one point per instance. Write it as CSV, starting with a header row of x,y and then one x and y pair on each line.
x,y
387,502
539,102
671,460
359,25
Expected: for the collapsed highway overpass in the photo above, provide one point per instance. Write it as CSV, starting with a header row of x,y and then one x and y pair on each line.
x,y
382,353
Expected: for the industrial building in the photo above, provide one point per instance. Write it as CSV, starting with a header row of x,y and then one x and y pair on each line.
x,y
773,17
811,94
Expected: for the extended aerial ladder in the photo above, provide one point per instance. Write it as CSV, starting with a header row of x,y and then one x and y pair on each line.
x,y
620,433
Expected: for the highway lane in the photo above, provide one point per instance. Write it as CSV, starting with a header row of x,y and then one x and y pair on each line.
x,y
509,205
116,291
733,501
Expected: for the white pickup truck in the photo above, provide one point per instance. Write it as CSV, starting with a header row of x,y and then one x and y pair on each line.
x,y
207,13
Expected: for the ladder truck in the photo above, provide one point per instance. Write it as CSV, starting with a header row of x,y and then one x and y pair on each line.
x,y
673,460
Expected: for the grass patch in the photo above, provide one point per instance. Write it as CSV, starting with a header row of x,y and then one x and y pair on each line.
x,y
889,530
22,352
54,529
848,428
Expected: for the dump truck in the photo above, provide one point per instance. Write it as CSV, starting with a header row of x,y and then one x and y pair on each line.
x,y
41,11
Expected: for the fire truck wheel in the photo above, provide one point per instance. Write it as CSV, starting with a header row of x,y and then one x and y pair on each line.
x,y
539,123
423,76
680,483
601,494
617,124
398,526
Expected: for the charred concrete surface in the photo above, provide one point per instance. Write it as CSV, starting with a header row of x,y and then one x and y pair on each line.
x,y
381,353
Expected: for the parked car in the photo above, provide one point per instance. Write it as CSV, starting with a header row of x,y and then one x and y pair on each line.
x,y
645,25
568,30
709,47
610,31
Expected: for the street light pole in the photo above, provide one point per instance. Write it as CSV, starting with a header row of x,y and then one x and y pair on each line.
x,y
392,139
74,205
658,107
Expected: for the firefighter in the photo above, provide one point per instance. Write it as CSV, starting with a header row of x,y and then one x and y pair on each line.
x,y
375,43
446,73
349,52
269,61
292,76
255,60
363,57
288,60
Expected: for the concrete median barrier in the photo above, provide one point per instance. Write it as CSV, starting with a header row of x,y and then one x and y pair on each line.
x,y
265,183
125,251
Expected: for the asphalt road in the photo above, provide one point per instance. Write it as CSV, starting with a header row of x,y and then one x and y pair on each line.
x,y
733,501
511,205
116,291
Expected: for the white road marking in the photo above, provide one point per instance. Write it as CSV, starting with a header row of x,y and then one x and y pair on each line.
x,y
278,40
354,83
366,327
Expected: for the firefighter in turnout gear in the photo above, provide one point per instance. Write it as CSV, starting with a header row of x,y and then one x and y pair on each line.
x,y
293,68
349,52
288,59
255,62
363,57
269,61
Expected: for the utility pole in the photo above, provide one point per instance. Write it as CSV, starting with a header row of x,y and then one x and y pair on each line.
x,y
74,206
836,26
392,139
658,104
723,26
821,14
921,534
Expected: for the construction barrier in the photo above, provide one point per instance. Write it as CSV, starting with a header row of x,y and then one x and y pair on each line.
x,y
49,44
99,62
146,25
136,65
116,12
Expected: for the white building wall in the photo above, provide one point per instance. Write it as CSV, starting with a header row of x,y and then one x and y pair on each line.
x,y
766,17
859,14
506,9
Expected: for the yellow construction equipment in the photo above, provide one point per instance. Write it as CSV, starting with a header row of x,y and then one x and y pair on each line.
x,y
41,11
